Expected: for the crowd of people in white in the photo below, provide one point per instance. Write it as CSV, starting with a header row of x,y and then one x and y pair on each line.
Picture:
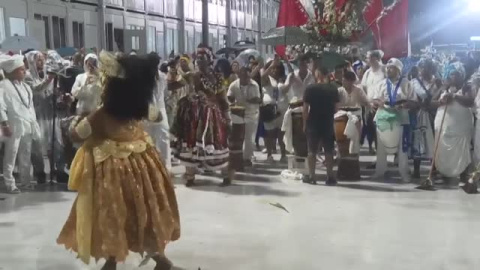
x,y
37,106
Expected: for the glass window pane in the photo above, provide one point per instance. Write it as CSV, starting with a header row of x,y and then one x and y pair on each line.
x,y
56,32
47,32
81,36
2,24
161,44
17,27
63,39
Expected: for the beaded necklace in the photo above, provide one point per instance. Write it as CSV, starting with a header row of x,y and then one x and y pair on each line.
x,y
209,85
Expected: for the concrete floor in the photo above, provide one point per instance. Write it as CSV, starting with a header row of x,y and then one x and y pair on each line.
x,y
357,225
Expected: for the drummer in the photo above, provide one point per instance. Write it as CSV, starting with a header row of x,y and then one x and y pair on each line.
x,y
353,98
244,92
392,99
301,78
350,94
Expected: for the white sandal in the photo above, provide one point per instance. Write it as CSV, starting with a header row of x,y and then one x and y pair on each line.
x,y
13,190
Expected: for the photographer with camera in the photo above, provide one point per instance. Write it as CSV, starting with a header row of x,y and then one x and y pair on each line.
x,y
87,89
42,84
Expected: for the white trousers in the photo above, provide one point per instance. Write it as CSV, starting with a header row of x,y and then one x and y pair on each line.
x,y
17,147
248,145
161,137
476,148
382,163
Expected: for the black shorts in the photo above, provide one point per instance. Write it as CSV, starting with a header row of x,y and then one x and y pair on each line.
x,y
323,137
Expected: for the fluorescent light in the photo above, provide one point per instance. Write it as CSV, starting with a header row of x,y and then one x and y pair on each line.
x,y
475,38
474,5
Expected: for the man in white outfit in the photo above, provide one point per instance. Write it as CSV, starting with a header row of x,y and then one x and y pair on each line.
x,y
160,131
245,92
301,78
374,76
18,122
393,98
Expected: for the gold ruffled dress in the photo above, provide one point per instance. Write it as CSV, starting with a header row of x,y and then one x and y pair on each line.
x,y
126,200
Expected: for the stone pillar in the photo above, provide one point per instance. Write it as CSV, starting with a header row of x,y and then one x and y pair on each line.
x,y
228,18
102,42
205,22
182,37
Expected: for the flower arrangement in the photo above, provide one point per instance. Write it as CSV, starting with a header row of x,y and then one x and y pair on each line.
x,y
340,21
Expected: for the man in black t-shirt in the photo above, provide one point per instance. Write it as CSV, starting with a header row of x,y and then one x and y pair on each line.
x,y
320,103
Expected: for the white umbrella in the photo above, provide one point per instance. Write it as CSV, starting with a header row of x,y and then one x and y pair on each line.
x,y
290,35
19,43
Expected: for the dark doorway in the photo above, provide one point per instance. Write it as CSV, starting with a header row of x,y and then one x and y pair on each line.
x,y
119,40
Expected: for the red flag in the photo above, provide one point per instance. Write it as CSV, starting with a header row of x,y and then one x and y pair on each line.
x,y
291,13
371,14
393,38
340,4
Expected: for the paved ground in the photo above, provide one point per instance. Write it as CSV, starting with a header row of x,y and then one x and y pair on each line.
x,y
355,226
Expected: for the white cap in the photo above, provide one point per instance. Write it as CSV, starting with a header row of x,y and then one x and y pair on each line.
x,y
396,63
11,63
90,56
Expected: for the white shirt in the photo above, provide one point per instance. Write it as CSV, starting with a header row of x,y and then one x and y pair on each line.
x,y
88,95
357,98
405,92
243,93
16,107
298,85
269,96
371,80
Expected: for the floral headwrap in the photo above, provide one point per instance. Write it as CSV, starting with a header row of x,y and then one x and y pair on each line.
x,y
110,68
206,52
452,67
185,58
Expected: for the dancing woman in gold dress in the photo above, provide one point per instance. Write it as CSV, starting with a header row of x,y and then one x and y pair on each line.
x,y
126,200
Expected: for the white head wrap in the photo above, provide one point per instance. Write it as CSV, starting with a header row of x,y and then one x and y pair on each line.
x,y
12,63
395,63
90,56
32,64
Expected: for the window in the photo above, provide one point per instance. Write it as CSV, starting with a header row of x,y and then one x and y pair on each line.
x,y
136,39
46,23
198,38
189,41
155,6
151,39
59,34
114,2
172,41
160,43
78,36
109,36
2,24
118,36
17,27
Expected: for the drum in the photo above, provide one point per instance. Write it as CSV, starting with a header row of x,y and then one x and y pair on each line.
x,y
388,130
340,125
237,137
237,111
348,164
299,139
296,104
